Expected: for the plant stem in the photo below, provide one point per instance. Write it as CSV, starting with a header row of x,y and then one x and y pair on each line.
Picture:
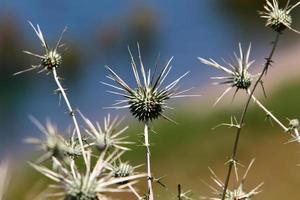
x,y
243,115
148,161
179,192
71,112
268,112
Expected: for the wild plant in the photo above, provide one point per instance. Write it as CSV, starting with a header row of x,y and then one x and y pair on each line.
x,y
100,146
239,78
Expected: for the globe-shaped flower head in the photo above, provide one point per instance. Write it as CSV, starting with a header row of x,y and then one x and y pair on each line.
x,y
238,75
148,100
278,18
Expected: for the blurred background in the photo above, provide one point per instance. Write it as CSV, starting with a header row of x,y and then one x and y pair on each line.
x,y
99,33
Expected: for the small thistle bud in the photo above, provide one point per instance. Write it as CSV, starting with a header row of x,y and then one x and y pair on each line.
x,y
123,170
237,193
278,18
107,136
51,60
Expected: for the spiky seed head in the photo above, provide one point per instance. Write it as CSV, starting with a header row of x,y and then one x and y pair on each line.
x,y
147,104
51,60
123,170
278,18
78,192
242,81
148,100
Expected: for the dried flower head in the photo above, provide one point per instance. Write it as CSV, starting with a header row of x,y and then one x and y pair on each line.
x,y
122,169
93,184
50,58
54,144
148,100
278,18
107,136
239,193
238,74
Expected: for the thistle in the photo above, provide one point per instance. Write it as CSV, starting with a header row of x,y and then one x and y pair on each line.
x,y
50,59
238,193
278,18
148,100
54,144
107,136
92,185
238,74
122,169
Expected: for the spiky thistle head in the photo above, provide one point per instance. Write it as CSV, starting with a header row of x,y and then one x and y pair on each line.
x,y
54,144
122,169
108,135
238,72
148,99
238,193
50,58
94,184
278,18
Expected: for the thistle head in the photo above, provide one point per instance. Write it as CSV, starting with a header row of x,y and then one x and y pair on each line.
x,y
91,185
50,59
238,75
146,104
238,193
278,18
108,135
54,144
148,99
123,169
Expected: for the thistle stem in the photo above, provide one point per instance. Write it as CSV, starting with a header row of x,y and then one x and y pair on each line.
x,y
243,115
148,161
71,112
268,112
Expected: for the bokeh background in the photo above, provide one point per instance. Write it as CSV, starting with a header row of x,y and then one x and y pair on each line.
x,y
99,33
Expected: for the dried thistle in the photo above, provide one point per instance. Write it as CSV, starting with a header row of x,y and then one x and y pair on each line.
x,y
107,136
238,193
123,169
50,59
54,144
278,18
148,100
238,74
93,184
